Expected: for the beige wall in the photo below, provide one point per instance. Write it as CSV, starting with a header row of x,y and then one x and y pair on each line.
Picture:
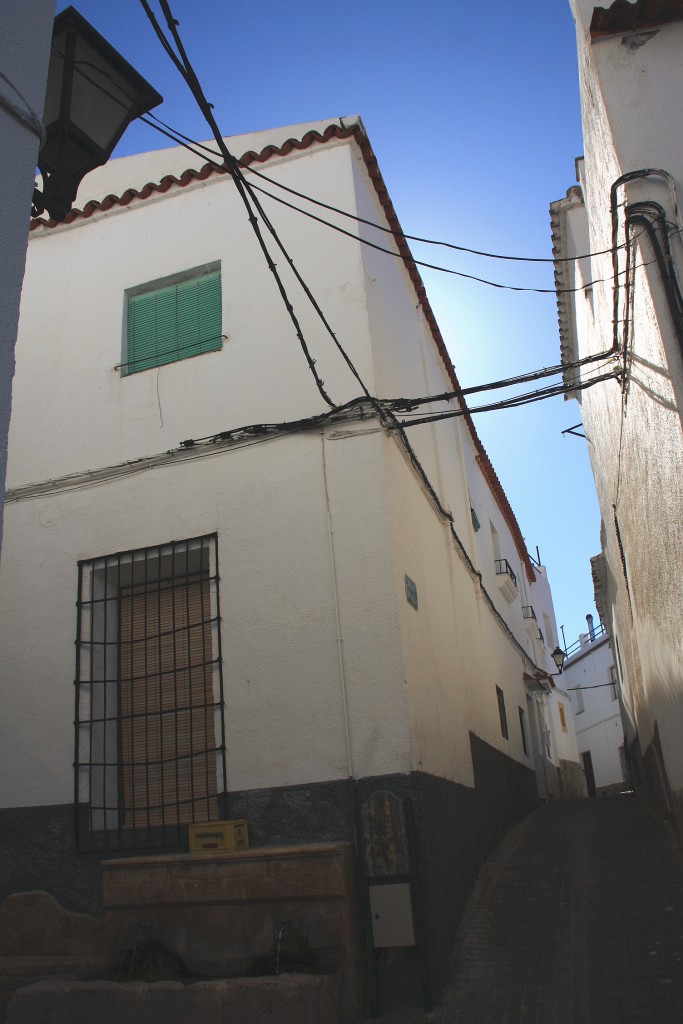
x,y
631,122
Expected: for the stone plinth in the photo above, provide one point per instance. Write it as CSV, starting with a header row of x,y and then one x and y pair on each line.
x,y
222,913
40,939
287,999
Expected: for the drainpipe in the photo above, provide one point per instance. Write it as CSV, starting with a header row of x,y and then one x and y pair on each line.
x,y
340,645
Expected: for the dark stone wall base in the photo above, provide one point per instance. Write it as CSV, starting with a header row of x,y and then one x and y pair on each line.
x,y
650,772
612,790
38,851
454,828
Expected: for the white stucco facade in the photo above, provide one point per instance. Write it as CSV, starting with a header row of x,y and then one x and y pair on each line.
x,y
24,52
589,677
630,69
365,615
313,526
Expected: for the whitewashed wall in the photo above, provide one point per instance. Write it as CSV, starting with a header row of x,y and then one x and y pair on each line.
x,y
631,121
598,726
414,684
24,53
283,694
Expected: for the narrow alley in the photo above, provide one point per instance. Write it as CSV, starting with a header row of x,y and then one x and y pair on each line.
x,y
576,919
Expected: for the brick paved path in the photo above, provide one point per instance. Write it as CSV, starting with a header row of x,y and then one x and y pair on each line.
x,y
576,919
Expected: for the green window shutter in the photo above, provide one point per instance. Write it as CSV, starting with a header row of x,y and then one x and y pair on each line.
x,y
174,322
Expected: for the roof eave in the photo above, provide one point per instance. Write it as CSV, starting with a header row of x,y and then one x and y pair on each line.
x,y
356,132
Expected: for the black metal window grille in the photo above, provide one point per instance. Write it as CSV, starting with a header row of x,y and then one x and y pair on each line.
x,y
614,683
149,745
522,729
503,567
501,711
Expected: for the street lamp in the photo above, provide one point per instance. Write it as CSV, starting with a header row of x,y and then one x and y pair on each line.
x,y
558,657
92,96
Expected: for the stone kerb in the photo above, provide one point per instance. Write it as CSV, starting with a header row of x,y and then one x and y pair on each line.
x,y
287,999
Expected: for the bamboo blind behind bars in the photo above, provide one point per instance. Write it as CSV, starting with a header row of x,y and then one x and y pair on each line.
x,y
167,740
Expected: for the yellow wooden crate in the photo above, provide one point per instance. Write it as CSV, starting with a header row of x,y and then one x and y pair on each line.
x,y
218,836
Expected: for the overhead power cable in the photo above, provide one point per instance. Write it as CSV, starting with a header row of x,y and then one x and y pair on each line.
x,y
519,400
550,371
400,235
250,200
182,64
381,227
594,686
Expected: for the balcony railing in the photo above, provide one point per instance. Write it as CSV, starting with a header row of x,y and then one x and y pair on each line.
x,y
528,612
504,567
506,579
579,645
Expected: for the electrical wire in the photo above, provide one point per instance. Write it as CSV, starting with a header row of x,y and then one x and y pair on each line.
x,y
524,378
188,74
382,227
513,403
397,428
595,686
245,189
400,235
26,114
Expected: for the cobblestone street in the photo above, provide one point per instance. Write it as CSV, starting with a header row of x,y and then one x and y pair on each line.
x,y
576,919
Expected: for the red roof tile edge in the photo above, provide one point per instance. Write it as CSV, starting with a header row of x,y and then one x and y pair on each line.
x,y
334,131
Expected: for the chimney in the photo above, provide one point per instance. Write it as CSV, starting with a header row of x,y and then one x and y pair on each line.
x,y
591,628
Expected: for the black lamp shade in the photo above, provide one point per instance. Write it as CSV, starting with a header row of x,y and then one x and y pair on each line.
x,y
558,657
92,96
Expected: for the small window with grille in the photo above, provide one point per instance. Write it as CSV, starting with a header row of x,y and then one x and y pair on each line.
x,y
522,729
502,713
614,683
150,753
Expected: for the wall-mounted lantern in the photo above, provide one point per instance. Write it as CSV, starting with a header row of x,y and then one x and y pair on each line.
x,y
558,657
92,96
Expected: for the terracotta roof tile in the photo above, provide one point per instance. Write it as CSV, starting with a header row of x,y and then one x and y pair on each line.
x,y
333,131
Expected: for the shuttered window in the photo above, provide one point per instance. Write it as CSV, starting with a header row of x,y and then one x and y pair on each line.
x,y
173,322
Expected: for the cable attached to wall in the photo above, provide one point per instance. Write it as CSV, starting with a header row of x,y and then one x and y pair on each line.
x,y
26,115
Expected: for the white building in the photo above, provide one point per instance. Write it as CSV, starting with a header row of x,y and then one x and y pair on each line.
x,y
628,304
590,678
277,606
24,51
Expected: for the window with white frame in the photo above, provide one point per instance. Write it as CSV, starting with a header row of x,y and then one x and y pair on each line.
x,y
150,753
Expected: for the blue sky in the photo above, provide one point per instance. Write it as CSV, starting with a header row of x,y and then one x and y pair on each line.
x,y
472,110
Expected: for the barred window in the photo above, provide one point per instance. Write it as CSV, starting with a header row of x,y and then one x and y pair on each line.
x,y
522,729
150,752
502,713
